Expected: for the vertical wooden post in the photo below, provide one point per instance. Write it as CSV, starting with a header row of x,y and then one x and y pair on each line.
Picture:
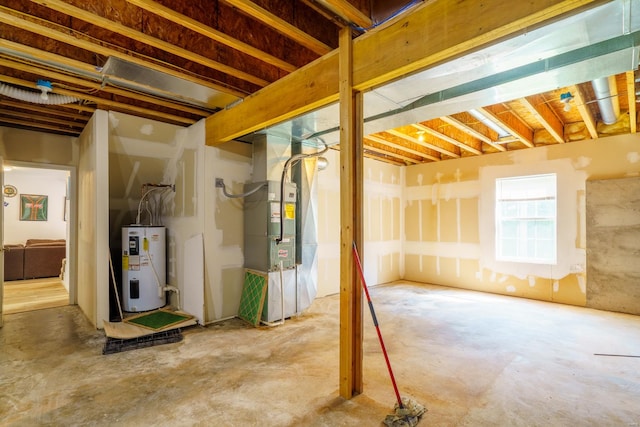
x,y
351,161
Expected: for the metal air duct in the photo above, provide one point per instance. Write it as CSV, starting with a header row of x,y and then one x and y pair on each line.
x,y
606,93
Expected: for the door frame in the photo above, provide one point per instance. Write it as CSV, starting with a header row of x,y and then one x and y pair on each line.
x,y
71,267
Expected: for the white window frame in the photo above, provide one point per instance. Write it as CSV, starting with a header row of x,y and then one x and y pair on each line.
x,y
526,219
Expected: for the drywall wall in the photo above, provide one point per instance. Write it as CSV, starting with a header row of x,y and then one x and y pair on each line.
x,y
382,209
224,228
93,220
36,147
49,182
449,221
613,244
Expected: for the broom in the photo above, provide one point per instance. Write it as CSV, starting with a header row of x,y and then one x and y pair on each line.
x,y
406,411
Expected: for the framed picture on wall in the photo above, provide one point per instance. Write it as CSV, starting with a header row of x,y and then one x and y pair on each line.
x,y
33,207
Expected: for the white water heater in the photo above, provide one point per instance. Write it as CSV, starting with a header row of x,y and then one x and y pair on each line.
x,y
143,268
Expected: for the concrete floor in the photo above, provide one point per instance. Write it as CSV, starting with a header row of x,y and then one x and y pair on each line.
x,y
473,359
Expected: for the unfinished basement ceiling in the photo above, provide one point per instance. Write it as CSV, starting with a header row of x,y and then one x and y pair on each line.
x,y
181,61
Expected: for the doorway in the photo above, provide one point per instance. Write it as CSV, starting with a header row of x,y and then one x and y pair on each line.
x,y
36,237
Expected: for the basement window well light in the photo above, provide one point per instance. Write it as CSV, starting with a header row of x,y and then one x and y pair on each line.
x,y
526,219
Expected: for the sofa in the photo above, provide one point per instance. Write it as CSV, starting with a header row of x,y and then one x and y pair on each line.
x,y
35,259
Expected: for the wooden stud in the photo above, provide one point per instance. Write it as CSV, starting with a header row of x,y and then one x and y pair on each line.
x,y
349,12
631,96
351,124
384,141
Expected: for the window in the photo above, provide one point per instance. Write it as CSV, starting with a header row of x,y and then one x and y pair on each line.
x,y
526,219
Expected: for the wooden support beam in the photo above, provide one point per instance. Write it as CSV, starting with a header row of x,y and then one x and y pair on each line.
x,y
212,33
404,159
631,97
351,175
64,124
253,10
31,124
585,111
509,122
431,34
36,108
537,106
424,144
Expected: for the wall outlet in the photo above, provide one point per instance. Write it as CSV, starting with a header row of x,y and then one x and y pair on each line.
x,y
219,183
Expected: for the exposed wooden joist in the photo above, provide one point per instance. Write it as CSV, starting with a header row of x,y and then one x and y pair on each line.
x,y
537,106
631,98
585,112
509,122
351,226
422,143
280,25
31,124
472,132
43,110
65,124
404,159
382,157
348,12
116,27
386,142
212,33
447,138
431,34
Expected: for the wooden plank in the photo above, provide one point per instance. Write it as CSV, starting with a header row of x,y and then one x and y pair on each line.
x,y
40,118
351,124
349,12
36,108
446,138
212,33
381,140
422,143
472,132
510,122
631,96
116,27
32,124
585,112
393,154
537,106
280,25
431,34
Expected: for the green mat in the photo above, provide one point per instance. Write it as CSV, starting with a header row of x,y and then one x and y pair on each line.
x,y
158,319
252,299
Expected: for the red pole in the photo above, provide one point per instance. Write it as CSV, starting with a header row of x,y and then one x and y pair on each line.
x,y
375,323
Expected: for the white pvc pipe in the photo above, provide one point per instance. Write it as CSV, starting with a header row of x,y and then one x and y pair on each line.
x,y
34,97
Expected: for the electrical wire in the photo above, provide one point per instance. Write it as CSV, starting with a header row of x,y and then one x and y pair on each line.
x,y
239,196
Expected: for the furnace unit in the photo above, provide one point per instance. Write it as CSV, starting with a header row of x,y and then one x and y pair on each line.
x,y
270,250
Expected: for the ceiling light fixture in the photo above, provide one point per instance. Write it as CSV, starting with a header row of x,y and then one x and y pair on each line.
x,y
566,99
